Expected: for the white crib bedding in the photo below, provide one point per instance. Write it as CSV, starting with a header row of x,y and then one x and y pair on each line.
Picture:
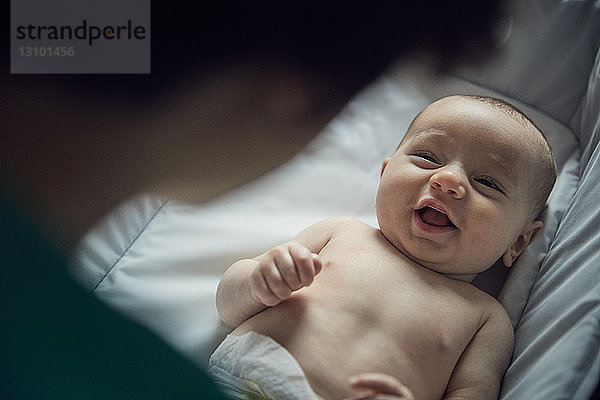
x,y
159,261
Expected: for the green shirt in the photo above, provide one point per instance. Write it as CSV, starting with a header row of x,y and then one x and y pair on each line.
x,y
58,342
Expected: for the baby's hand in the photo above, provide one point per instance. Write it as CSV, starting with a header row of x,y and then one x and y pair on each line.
x,y
281,271
376,386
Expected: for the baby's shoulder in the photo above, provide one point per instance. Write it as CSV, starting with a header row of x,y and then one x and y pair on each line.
x,y
494,314
486,305
343,224
319,234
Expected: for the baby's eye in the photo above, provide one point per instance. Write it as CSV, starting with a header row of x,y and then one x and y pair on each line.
x,y
426,155
489,183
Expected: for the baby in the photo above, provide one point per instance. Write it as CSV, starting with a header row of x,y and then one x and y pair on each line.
x,y
345,310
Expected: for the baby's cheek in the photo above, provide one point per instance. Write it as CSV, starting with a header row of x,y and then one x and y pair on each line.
x,y
489,239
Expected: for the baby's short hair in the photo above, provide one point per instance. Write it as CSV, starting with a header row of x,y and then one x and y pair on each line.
x,y
545,168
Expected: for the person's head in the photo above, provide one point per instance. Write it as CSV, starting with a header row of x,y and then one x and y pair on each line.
x,y
236,89
466,185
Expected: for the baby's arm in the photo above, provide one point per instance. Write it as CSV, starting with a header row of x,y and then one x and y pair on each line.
x,y
479,371
251,285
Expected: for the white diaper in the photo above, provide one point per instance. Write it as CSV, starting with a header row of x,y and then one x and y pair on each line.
x,y
254,366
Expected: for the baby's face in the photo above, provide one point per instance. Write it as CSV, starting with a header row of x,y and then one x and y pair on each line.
x,y
455,195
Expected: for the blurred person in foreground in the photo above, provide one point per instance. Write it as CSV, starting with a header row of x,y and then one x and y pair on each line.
x,y
236,89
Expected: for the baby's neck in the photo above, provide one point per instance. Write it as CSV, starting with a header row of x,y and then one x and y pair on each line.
x,y
466,277
461,277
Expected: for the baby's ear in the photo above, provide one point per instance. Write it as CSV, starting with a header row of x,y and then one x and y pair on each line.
x,y
384,164
526,237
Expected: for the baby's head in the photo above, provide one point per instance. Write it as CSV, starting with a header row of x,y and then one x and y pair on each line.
x,y
466,186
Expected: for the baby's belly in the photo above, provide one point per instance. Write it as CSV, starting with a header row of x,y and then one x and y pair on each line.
x,y
333,337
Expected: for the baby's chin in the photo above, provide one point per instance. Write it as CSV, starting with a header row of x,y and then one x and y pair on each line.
x,y
451,270
427,259
462,277
460,272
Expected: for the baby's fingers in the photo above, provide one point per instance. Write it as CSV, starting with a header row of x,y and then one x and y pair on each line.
x,y
317,263
381,384
283,270
267,285
307,264
284,260
368,396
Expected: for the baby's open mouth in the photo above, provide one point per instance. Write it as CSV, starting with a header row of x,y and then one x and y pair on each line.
x,y
434,217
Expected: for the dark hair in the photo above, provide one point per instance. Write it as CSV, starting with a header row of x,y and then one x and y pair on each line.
x,y
350,42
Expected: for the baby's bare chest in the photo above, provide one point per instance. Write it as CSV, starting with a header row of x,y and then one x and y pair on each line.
x,y
372,310
371,287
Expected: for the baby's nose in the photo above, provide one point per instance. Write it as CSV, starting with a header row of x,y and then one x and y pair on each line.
x,y
449,180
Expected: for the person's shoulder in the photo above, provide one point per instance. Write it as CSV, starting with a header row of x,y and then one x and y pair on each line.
x,y
492,311
495,315
338,226
344,223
